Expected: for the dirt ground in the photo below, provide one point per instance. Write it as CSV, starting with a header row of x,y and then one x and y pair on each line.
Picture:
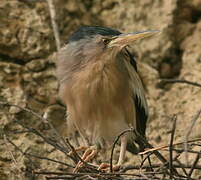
x,y
27,70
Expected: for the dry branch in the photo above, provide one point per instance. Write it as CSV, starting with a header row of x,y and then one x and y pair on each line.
x,y
188,133
180,81
152,171
194,165
171,145
54,24
26,154
167,146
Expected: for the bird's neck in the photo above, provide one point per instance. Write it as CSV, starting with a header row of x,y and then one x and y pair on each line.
x,y
102,76
103,66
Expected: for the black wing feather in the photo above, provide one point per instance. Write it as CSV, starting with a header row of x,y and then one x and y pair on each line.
x,y
141,117
141,113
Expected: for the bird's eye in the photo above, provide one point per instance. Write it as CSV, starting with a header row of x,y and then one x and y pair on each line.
x,y
106,41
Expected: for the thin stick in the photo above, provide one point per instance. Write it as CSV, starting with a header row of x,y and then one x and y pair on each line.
x,y
113,176
166,146
142,163
157,153
40,118
54,24
188,134
47,140
89,173
150,164
196,144
36,156
159,165
181,81
194,164
171,144
92,174
176,159
146,143
182,150
11,154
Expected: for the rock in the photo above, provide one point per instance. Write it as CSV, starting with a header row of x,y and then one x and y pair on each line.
x,y
183,99
25,32
36,65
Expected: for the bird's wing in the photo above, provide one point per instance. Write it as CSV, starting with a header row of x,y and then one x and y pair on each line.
x,y
138,94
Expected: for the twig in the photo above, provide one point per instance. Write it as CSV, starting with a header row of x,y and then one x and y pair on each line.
x,y
194,164
182,150
36,156
171,144
183,169
146,143
181,166
55,131
195,144
174,159
158,170
157,153
21,108
113,176
45,120
47,140
114,144
159,165
37,132
89,173
150,164
188,133
142,163
93,174
180,81
166,146
54,24
141,178
11,154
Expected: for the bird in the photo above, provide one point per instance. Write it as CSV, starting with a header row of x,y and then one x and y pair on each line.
x,y
100,85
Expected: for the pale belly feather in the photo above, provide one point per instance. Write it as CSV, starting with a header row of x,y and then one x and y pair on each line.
x,y
99,104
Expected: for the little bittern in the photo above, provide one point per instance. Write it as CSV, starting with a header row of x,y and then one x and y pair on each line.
x,y
101,87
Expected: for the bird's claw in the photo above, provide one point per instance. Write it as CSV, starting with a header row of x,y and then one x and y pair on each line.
x,y
88,155
106,166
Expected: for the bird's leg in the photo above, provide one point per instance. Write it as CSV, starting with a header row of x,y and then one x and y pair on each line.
x,y
88,155
89,152
82,147
123,140
83,135
122,149
75,137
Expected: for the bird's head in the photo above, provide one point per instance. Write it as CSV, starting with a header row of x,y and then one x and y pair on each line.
x,y
91,44
92,41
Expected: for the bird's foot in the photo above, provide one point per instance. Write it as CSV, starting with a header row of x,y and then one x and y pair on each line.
x,y
88,155
106,166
